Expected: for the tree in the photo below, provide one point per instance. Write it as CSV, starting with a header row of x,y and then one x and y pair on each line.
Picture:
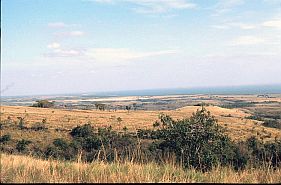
x,y
100,106
128,108
198,141
125,129
21,122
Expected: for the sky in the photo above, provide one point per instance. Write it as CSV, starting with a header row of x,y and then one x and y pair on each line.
x,y
80,46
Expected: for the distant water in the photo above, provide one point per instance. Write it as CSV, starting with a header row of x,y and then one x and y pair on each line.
x,y
251,89
257,89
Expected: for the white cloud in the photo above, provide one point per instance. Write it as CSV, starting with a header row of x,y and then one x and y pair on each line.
x,y
106,55
247,40
153,6
76,33
122,54
58,52
53,45
242,26
274,23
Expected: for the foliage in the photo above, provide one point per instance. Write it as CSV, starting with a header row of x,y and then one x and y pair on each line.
x,y
22,144
198,142
264,152
44,104
82,131
21,123
272,123
5,138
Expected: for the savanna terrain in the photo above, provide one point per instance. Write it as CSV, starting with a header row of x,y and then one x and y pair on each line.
x,y
240,116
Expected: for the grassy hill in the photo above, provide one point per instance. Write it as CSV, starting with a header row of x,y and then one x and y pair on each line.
x,y
238,127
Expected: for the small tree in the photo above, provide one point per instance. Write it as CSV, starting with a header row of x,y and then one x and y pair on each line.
x,y
119,120
125,129
21,122
128,108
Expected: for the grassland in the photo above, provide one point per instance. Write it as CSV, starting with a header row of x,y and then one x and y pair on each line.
x,y
24,169
237,126
19,168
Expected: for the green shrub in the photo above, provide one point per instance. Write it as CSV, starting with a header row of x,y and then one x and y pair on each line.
x,y
82,131
198,142
91,143
60,143
5,138
43,104
272,123
22,145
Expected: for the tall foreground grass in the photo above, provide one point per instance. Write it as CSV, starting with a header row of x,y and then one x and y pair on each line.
x,y
15,168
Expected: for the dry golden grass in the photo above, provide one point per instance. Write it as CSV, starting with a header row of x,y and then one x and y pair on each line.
x,y
23,169
237,126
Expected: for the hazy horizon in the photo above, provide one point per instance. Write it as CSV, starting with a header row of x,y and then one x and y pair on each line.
x,y
242,89
76,46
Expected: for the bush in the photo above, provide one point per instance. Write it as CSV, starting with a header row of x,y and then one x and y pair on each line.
x,y
60,143
43,104
61,149
272,123
198,142
262,153
39,126
82,131
91,143
5,138
22,144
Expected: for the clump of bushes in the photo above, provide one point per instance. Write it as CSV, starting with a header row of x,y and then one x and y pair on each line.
x,y
198,142
22,145
272,123
43,104
5,138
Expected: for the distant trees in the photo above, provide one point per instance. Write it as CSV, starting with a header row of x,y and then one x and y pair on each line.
x,y
128,108
100,106
44,104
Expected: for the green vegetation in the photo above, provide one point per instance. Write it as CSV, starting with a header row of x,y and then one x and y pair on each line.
x,y
22,145
194,149
272,123
237,104
197,142
43,104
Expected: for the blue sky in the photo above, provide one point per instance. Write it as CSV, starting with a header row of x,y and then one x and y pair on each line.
x,y
69,46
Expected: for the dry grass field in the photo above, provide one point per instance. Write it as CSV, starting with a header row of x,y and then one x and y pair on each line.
x,y
233,120
24,169
19,168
